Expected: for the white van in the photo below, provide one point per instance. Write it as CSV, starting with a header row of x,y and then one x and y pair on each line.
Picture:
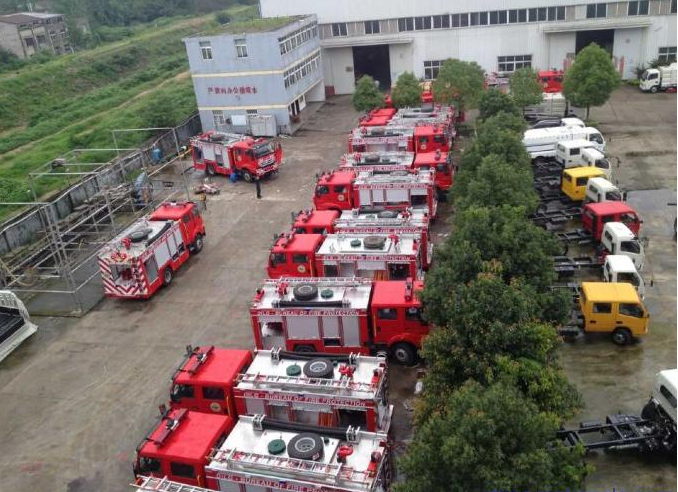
x,y
541,143
600,190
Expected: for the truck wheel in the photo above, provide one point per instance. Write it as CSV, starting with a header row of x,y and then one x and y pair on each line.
x,y
197,244
621,336
167,277
654,89
306,446
246,176
209,170
404,354
649,411
305,292
319,368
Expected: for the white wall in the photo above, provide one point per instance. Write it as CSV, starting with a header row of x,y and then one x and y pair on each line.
x,y
629,44
400,58
338,69
558,45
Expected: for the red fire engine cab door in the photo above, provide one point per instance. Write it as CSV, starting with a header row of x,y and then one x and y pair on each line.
x,y
185,396
388,323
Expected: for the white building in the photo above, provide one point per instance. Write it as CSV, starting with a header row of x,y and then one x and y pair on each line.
x,y
384,38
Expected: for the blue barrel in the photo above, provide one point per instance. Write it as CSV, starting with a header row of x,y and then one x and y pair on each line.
x,y
156,154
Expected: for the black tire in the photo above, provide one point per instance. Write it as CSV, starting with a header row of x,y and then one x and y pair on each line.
x,y
387,214
404,354
371,158
306,446
399,173
622,336
139,235
217,137
319,368
305,292
540,161
246,176
654,89
209,170
649,411
167,276
198,244
374,242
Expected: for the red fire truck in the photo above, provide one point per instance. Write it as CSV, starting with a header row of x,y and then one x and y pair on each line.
x,y
262,454
353,221
445,169
145,256
368,160
551,80
179,445
366,190
381,256
321,389
340,315
227,153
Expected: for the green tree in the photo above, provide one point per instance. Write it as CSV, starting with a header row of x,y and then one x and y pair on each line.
x,y
366,95
407,91
513,122
489,438
459,83
494,101
591,79
497,183
525,87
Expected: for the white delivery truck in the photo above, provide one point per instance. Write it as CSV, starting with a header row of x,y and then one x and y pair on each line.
x,y
600,190
659,79
541,143
582,153
620,268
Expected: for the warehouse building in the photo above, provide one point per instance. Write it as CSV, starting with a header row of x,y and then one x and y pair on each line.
x,y
384,38
257,76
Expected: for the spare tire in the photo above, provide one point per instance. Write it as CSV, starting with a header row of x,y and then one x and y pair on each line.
x,y
371,158
306,446
374,242
378,131
139,235
217,137
319,368
387,214
399,173
305,292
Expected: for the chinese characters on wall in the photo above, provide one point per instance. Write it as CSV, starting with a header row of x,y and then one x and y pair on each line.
x,y
248,89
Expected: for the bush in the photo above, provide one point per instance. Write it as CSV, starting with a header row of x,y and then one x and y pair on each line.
x,y
366,95
407,91
494,101
222,17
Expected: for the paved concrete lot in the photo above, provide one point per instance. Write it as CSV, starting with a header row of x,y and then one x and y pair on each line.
x,y
76,399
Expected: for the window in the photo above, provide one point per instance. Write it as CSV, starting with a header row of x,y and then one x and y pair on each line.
x,y
594,10
441,21
667,54
629,247
277,259
541,14
372,27
387,313
673,6
339,29
299,258
551,15
431,69
494,17
182,470
597,138
413,314
512,63
251,111
560,13
533,15
631,310
459,20
180,391
331,270
482,18
406,24
322,190
602,308
474,18
149,465
575,151
666,393
582,181
296,38
213,393
241,48
302,69
206,50
639,8
421,23
218,117
339,189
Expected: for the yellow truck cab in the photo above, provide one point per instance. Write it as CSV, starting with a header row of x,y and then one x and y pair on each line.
x,y
616,308
575,179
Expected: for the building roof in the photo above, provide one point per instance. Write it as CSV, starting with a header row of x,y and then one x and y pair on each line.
x,y
252,26
393,293
610,292
219,366
609,208
26,17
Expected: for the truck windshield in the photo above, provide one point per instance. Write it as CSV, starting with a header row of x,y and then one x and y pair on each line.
x,y
630,247
644,76
629,278
262,149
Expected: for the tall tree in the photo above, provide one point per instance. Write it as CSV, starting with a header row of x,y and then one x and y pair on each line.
x,y
459,83
494,101
489,438
366,95
591,78
407,91
525,87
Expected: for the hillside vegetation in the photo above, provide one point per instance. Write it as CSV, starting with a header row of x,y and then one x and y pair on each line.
x,y
76,100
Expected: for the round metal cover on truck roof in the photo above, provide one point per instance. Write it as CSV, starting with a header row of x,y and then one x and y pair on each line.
x,y
293,370
276,446
374,242
371,158
139,235
306,446
387,214
217,137
326,293
305,292
319,368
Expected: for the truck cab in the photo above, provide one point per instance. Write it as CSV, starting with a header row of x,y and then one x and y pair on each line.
x,y
618,239
569,152
444,168
334,190
662,404
596,215
659,79
293,255
620,268
614,308
541,143
205,379
595,158
551,80
575,181
432,137
600,190
190,221
179,445
314,221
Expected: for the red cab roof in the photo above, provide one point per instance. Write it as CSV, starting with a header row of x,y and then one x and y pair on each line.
x,y
340,177
191,440
316,218
218,366
431,129
395,293
302,243
430,157
609,208
171,211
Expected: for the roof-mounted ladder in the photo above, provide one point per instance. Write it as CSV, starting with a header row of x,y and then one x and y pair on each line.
x,y
154,484
291,382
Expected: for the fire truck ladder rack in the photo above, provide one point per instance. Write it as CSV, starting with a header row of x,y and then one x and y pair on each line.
x,y
327,472
618,431
154,484
306,383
